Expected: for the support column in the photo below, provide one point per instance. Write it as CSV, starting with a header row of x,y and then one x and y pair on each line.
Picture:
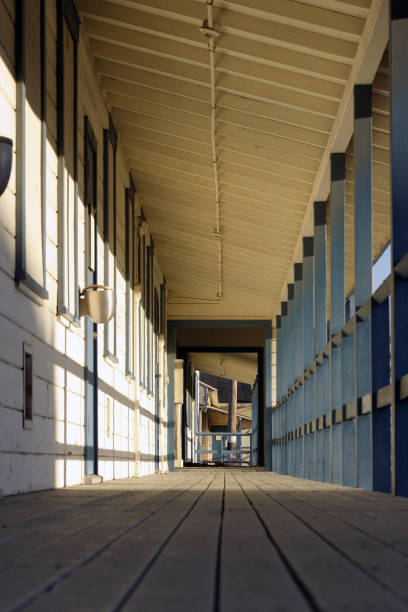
x,y
322,374
232,415
284,388
254,437
308,357
290,404
298,361
363,249
276,412
171,412
268,399
337,306
399,242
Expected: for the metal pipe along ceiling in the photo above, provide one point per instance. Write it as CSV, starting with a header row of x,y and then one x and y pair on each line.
x,y
211,33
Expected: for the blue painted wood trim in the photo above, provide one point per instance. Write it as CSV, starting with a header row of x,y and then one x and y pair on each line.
x,y
130,281
91,277
268,399
337,303
362,142
320,292
171,355
264,382
337,265
363,231
109,140
66,15
21,273
380,376
399,242
308,302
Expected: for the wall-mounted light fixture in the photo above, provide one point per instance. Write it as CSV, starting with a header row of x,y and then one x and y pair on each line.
x,y
97,302
6,157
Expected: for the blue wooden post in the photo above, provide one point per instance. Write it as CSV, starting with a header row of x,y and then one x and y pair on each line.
x,y
322,390
268,399
380,373
254,438
399,241
298,442
290,403
171,355
284,324
197,439
363,230
308,355
337,307
275,424
350,408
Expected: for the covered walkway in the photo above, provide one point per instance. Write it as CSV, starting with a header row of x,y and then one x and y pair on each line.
x,y
213,539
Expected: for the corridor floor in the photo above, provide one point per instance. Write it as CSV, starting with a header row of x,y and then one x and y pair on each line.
x,y
210,540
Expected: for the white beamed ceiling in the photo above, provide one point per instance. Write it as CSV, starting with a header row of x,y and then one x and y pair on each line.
x,y
283,71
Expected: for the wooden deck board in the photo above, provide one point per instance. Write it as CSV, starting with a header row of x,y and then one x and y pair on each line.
x,y
253,576
209,539
332,581
186,569
375,558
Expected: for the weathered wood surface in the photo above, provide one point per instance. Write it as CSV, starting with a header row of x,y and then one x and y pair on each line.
x,y
209,539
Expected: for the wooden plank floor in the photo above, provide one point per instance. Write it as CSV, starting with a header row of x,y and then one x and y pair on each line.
x,y
210,540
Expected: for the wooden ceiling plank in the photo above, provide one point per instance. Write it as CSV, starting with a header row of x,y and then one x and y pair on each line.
x,y
167,179
193,179
225,63
262,124
177,145
276,142
254,28
236,170
132,121
130,76
136,146
146,185
162,206
319,19
258,72
156,108
135,92
237,85
269,126
268,154
138,157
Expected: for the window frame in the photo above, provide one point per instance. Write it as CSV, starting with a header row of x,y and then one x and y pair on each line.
x,y
130,253
90,149
21,273
67,15
110,139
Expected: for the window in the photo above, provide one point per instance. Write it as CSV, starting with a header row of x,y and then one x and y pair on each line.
x,y
67,149
130,278
110,141
31,137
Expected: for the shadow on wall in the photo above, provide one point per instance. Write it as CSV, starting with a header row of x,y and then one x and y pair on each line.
x,y
42,356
